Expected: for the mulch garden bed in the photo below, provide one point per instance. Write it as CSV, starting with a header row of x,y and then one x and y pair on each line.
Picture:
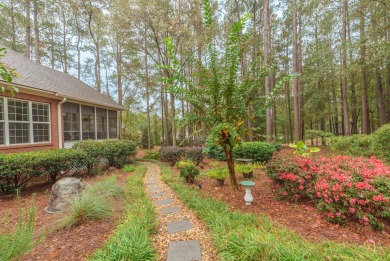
x,y
73,244
305,219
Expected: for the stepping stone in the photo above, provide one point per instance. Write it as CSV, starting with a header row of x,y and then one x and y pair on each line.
x,y
179,226
169,210
150,183
163,202
154,189
184,251
157,195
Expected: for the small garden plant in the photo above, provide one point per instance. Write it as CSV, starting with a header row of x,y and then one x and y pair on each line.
x,y
219,174
128,168
302,150
188,171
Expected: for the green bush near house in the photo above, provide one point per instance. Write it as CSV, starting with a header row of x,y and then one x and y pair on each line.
x,y
116,152
170,154
16,170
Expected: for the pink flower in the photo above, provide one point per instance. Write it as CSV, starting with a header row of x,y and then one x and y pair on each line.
x,y
301,187
351,210
365,218
284,193
379,198
352,201
361,202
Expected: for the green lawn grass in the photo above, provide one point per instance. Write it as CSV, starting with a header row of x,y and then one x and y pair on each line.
x,y
244,236
132,238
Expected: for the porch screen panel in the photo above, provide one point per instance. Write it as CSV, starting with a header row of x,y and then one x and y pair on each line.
x,y
88,122
18,118
113,124
101,123
71,121
41,122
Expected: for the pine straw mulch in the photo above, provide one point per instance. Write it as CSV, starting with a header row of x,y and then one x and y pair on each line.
x,y
74,244
199,231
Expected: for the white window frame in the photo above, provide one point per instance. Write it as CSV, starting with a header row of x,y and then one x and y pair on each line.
x,y
30,122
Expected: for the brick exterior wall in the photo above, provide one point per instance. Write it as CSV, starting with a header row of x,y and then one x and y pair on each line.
x,y
53,125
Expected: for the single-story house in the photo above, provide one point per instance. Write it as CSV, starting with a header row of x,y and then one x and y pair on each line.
x,y
52,109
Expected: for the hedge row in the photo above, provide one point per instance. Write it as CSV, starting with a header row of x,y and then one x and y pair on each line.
x,y
174,154
342,187
16,170
257,151
376,144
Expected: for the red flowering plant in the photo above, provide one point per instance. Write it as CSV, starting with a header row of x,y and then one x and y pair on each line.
x,y
293,177
342,187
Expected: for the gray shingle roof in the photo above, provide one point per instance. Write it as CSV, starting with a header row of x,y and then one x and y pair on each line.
x,y
33,75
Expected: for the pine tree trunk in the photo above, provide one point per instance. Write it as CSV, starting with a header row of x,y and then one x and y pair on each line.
x,y
36,33
266,52
344,101
147,89
366,127
28,30
297,132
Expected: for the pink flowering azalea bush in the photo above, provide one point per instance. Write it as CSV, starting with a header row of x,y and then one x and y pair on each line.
x,y
343,188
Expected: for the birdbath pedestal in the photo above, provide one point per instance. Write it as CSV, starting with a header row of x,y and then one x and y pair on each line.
x,y
248,195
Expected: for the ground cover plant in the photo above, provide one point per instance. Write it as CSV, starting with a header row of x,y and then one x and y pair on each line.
x,y
131,239
20,240
343,188
244,236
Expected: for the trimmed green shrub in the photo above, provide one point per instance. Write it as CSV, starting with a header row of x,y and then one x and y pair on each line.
x,y
257,151
16,170
215,152
194,154
355,145
170,154
381,143
116,152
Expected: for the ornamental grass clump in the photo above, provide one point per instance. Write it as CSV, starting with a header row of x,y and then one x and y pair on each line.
x,y
342,187
92,204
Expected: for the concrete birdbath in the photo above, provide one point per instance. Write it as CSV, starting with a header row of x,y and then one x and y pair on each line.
x,y
248,195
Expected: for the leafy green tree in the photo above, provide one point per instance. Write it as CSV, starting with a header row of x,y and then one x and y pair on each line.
x,y
7,75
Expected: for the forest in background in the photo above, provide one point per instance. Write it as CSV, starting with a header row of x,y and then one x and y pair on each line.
x,y
339,49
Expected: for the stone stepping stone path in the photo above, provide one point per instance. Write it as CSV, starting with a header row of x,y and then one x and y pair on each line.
x,y
180,236
184,250
169,210
179,226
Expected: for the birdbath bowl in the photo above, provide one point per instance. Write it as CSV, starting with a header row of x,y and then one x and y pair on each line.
x,y
248,195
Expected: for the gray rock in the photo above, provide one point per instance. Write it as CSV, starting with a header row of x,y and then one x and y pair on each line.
x,y
169,210
61,192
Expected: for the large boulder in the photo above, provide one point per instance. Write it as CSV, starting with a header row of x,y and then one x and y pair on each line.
x,y
61,192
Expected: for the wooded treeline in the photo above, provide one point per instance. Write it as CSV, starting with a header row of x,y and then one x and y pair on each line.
x,y
340,49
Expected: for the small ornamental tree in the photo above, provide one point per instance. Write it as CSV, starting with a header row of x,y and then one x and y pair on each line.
x,y
7,75
219,98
